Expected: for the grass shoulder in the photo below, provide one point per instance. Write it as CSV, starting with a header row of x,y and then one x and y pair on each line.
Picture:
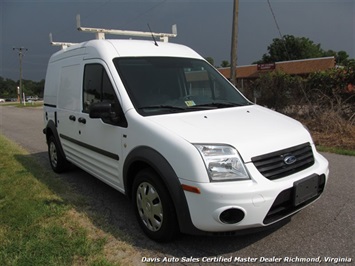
x,y
23,105
38,227
336,150
342,143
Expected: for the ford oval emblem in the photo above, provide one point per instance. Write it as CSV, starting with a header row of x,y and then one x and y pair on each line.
x,y
290,159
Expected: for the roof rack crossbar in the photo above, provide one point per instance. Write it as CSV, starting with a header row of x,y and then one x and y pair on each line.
x,y
62,44
100,33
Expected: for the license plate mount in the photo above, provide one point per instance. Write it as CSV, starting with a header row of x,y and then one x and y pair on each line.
x,y
305,189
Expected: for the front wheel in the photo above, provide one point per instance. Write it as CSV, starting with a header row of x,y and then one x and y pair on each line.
x,y
56,159
153,207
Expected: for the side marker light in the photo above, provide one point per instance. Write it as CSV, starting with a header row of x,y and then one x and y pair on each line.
x,y
191,189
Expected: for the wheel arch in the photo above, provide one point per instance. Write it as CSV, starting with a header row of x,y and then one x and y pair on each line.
x,y
145,157
51,130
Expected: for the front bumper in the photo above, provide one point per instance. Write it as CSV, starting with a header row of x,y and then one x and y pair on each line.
x,y
232,206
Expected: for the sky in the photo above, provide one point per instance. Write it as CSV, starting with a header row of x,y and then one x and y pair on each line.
x,y
203,25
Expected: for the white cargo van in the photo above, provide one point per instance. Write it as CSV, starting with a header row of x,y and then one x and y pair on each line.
x,y
161,125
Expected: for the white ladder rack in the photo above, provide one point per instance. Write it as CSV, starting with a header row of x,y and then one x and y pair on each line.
x,y
100,34
62,44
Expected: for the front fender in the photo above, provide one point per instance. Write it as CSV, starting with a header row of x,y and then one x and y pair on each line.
x,y
142,157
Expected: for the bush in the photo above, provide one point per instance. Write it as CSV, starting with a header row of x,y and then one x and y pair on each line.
x,y
277,90
327,91
323,101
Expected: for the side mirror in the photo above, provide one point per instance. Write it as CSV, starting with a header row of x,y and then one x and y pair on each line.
x,y
108,113
100,110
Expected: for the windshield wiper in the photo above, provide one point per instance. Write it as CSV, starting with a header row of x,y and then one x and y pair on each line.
x,y
171,107
219,104
205,106
179,108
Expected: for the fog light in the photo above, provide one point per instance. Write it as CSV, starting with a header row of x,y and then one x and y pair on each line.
x,y
231,216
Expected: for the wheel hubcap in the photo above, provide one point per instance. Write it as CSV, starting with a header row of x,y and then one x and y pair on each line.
x,y
149,206
53,154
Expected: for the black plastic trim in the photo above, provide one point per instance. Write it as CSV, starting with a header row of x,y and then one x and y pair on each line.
x,y
50,105
284,203
161,166
273,165
92,148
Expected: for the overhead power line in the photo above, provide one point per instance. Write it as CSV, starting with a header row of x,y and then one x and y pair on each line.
x,y
138,16
275,20
278,28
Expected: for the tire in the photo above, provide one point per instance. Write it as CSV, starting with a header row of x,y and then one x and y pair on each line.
x,y
153,207
57,161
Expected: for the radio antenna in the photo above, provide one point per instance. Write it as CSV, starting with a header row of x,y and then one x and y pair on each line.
x,y
155,42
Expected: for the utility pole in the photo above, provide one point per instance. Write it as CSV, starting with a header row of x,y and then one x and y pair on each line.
x,y
21,51
233,70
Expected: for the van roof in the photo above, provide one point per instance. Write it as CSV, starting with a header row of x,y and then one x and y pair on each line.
x,y
112,48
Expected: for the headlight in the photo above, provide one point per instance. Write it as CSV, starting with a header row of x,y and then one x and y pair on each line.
x,y
222,162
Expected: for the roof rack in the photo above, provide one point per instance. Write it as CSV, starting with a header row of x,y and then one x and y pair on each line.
x,y
62,44
100,33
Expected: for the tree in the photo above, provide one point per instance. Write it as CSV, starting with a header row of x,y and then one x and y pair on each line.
x,y
8,88
291,48
225,63
342,58
210,60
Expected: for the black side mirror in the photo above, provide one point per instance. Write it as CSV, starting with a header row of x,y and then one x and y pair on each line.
x,y
108,113
101,110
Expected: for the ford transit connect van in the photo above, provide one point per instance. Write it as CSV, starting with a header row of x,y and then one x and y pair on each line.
x,y
161,125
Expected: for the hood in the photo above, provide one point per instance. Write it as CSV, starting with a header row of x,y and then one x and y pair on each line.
x,y
252,130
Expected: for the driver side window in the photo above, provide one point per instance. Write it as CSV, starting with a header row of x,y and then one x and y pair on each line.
x,y
97,87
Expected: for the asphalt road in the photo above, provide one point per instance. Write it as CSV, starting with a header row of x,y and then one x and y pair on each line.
x,y
324,231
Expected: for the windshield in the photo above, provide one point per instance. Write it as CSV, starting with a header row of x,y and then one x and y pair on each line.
x,y
160,85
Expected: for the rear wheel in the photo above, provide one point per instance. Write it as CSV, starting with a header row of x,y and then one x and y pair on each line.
x,y
153,207
56,159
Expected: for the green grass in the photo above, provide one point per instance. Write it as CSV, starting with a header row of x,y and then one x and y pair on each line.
x,y
17,104
336,150
33,104
35,224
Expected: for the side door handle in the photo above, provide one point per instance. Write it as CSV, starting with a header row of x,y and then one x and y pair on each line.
x,y
82,120
72,118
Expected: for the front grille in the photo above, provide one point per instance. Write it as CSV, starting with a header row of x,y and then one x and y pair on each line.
x,y
284,162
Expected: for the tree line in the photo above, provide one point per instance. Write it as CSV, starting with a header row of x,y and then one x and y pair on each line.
x,y
295,48
8,88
